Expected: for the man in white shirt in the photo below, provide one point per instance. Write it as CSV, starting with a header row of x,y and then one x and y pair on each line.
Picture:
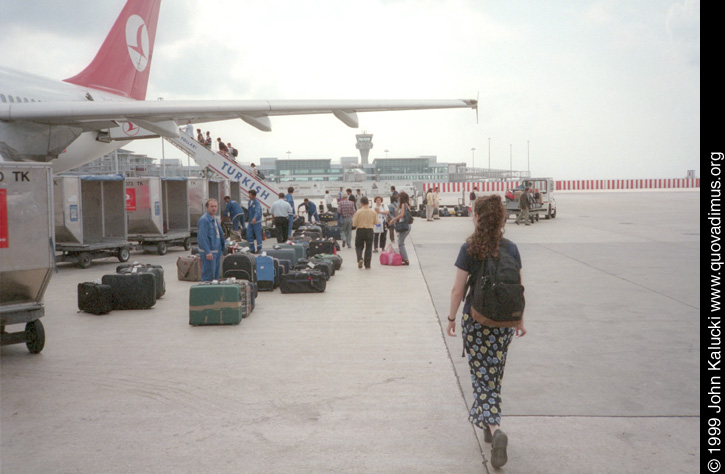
x,y
328,202
281,210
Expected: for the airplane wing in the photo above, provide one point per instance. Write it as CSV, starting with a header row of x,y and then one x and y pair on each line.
x,y
162,116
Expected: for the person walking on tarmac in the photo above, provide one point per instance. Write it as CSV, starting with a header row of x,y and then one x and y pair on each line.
x,y
524,206
281,210
210,238
234,212
254,226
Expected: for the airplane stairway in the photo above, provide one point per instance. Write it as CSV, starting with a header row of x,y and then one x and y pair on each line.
x,y
225,167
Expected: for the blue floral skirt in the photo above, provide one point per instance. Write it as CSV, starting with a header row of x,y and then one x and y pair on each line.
x,y
486,348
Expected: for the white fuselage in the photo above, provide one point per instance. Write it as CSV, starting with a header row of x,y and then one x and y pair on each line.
x,y
28,141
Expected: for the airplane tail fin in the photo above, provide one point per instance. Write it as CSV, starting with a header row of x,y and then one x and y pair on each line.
x,y
123,63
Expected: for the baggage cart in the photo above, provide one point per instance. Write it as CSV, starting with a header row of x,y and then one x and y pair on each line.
x,y
158,213
542,204
26,250
90,218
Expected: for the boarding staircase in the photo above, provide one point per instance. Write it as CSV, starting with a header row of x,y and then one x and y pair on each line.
x,y
226,167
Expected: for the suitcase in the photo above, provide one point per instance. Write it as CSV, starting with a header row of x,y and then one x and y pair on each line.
x,y
247,291
328,217
188,268
322,247
311,234
156,270
311,228
282,253
299,248
307,281
243,265
333,232
215,304
95,298
132,290
336,260
265,273
327,268
284,266
297,222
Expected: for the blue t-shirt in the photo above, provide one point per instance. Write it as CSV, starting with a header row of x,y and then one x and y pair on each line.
x,y
469,264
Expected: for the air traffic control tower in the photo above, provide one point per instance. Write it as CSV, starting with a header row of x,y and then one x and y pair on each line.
x,y
364,144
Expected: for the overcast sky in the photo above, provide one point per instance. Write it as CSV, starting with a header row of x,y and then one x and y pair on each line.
x,y
598,89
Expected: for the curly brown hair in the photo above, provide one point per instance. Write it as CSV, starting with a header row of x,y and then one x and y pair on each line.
x,y
491,217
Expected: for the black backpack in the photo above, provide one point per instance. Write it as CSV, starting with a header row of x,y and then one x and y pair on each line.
x,y
497,295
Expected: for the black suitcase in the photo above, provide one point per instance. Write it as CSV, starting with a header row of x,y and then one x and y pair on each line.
x,y
328,217
326,268
308,281
321,246
244,266
95,298
312,234
132,290
156,270
333,232
297,222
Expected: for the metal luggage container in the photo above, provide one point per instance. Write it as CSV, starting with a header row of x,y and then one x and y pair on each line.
x,y
198,194
26,250
90,218
158,212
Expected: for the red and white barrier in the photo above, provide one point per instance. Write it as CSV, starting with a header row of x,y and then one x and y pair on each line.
x,y
571,185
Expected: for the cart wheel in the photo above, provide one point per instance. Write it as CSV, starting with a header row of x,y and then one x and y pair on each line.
x,y
35,334
162,248
123,254
553,214
84,261
548,213
537,217
187,243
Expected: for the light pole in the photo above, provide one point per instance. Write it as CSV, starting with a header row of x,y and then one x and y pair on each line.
x,y
386,153
473,157
288,154
528,161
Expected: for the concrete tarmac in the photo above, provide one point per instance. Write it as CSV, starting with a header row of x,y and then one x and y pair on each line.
x,y
362,378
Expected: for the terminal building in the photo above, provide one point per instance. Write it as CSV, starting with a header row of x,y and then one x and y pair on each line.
x,y
345,169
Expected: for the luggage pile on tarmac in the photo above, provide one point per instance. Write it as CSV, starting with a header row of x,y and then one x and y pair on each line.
x,y
304,264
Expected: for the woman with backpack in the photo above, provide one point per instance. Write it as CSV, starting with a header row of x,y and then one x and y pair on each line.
x,y
486,341
402,222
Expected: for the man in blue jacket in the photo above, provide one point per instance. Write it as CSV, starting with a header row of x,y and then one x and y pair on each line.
x,y
254,226
311,209
291,202
210,238
233,211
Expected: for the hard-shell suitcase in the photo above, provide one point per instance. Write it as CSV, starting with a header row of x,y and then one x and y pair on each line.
x,y
282,252
335,259
95,298
156,270
307,281
333,232
300,248
284,266
265,273
132,290
322,246
188,268
214,304
243,265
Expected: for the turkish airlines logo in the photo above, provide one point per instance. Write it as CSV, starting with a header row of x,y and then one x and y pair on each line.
x,y
137,40
130,129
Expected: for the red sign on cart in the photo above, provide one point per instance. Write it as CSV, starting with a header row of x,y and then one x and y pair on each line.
x,y
4,237
130,199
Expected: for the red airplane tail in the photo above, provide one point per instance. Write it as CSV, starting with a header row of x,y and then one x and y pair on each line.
x,y
123,63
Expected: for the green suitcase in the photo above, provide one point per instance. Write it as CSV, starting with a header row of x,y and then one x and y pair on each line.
x,y
215,304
